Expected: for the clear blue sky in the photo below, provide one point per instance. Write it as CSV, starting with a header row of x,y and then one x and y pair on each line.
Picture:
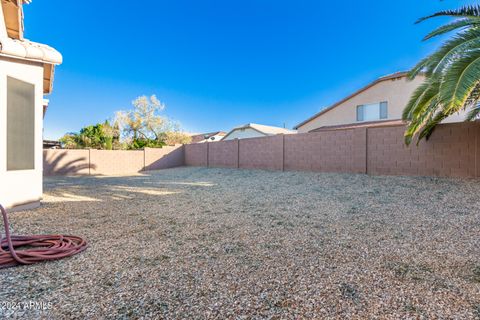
x,y
218,64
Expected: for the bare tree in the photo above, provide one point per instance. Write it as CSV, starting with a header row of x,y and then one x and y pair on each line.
x,y
145,126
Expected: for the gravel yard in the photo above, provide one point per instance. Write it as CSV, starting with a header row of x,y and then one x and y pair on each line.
x,y
220,243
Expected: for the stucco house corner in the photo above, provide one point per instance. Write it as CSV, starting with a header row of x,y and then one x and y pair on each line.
x,y
26,75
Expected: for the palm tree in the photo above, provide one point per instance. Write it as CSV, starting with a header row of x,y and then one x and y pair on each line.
x,y
452,75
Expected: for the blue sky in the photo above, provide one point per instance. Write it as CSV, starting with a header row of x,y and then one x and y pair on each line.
x,y
218,64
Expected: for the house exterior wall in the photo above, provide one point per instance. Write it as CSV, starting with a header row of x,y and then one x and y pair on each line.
x,y
24,186
243,134
396,92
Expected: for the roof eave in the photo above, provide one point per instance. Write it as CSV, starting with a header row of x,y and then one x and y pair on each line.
x,y
31,51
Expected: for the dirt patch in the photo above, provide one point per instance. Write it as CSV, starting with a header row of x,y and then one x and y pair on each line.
x,y
220,243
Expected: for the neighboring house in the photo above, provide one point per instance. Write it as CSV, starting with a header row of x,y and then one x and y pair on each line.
x,y
51,144
253,130
208,137
381,101
26,74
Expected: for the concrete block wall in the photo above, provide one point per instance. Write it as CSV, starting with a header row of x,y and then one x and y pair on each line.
x,y
328,151
452,151
118,162
164,158
223,154
196,155
66,162
261,153
110,162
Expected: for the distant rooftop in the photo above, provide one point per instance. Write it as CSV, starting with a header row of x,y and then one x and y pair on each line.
x,y
197,137
266,130
269,130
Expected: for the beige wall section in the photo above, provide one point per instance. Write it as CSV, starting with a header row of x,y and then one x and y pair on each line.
x,y
110,162
24,186
164,158
118,162
396,92
244,134
66,162
196,154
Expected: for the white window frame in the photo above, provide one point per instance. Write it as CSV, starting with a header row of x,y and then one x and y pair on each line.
x,y
377,112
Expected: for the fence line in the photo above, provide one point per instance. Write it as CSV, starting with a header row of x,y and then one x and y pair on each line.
x,y
110,162
452,151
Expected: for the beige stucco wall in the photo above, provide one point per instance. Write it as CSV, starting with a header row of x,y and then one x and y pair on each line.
x,y
396,92
25,186
243,134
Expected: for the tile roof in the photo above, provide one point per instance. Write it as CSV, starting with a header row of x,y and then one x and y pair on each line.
x,y
12,42
29,50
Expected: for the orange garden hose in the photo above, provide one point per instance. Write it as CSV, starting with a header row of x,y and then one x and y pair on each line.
x,y
36,248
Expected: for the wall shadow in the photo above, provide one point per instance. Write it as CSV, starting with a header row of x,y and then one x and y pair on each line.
x,y
172,159
66,163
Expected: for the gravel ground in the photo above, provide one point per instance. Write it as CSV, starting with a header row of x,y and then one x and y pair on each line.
x,y
242,244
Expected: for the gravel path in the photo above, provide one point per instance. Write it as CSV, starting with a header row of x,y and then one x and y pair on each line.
x,y
240,244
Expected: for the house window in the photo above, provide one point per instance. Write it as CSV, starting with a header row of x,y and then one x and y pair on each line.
x,y
372,112
20,125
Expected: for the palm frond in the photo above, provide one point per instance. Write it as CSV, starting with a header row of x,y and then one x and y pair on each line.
x,y
415,126
459,80
452,76
474,97
473,114
419,68
455,48
449,51
470,11
430,126
473,104
421,97
444,112
462,23
421,108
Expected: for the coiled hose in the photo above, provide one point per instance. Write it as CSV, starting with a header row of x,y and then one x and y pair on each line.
x,y
37,248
